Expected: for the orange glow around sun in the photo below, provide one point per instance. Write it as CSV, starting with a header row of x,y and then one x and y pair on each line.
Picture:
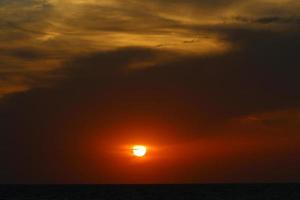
x,y
139,150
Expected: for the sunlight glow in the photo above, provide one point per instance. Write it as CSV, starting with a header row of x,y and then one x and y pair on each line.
x,y
139,150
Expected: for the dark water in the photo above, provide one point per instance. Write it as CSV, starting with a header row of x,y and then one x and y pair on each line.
x,y
112,192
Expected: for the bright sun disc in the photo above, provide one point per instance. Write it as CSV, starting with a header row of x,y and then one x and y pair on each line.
x,y
139,150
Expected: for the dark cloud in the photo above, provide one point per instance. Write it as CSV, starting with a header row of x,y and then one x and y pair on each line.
x,y
25,53
200,4
269,20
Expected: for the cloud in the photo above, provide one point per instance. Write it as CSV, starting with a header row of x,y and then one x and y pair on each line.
x,y
189,27
249,79
269,20
25,53
281,120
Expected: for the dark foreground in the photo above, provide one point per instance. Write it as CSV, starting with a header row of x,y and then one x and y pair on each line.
x,y
112,192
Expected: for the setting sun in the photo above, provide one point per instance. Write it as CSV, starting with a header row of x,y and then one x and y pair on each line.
x,y
139,150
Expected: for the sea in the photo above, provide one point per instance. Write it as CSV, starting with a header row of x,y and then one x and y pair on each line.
x,y
289,191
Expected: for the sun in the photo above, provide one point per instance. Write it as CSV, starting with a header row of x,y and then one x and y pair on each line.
x,y
139,150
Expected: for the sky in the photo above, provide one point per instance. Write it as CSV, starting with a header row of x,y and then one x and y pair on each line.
x,y
211,87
